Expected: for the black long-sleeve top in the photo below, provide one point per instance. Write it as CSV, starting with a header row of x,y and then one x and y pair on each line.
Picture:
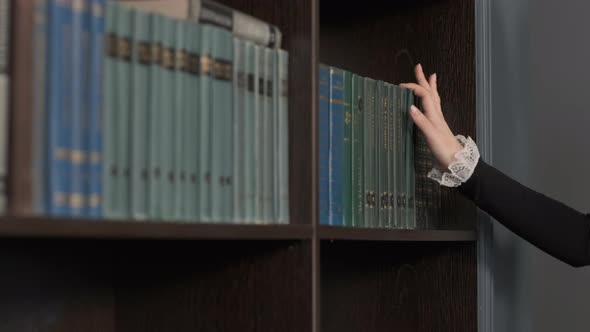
x,y
550,225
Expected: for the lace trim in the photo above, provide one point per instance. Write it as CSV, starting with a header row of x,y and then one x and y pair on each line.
x,y
461,167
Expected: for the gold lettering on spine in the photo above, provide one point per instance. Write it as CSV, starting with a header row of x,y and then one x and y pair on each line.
x,y
144,53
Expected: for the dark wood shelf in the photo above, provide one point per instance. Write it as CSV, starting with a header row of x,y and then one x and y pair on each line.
x,y
393,235
43,227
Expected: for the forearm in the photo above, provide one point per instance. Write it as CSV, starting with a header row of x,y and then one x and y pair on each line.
x,y
548,224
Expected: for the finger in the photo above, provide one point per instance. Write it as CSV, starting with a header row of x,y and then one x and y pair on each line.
x,y
434,89
420,77
425,95
423,123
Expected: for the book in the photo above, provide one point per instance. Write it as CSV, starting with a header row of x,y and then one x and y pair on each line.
x,y
95,125
358,197
4,93
382,171
347,178
403,158
370,154
324,145
282,82
5,21
336,151
238,127
268,113
139,125
250,117
258,133
240,24
391,151
205,111
180,107
154,182
410,172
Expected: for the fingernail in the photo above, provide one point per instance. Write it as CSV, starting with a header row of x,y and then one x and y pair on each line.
x,y
434,76
420,66
414,109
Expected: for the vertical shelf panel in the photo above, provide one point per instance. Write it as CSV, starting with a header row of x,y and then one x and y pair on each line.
x,y
384,40
372,286
294,18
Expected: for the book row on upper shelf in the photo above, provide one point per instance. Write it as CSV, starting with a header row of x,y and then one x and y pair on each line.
x,y
366,152
158,110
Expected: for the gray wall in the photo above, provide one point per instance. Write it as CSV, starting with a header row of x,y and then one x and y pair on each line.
x,y
541,127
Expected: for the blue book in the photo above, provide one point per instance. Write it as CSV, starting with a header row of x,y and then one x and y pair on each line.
x,y
77,88
95,103
40,106
336,153
58,133
324,145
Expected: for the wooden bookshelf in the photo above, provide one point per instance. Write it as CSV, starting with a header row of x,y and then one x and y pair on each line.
x,y
136,276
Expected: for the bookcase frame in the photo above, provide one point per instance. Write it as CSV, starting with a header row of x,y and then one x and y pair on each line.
x,y
124,275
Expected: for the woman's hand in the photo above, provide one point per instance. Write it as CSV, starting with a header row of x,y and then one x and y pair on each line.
x,y
439,137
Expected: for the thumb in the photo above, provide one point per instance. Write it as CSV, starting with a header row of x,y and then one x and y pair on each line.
x,y
423,123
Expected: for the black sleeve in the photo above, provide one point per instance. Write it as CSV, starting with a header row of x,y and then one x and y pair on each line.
x,y
553,227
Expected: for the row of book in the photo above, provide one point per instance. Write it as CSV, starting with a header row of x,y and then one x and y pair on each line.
x,y
4,96
158,110
366,152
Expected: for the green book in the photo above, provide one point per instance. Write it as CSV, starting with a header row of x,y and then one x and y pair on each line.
x,y
358,106
258,133
180,103
398,157
250,169
268,114
347,192
140,68
155,134
410,172
391,156
109,91
167,112
238,127
403,161
370,154
122,112
205,113
382,147
221,133
282,134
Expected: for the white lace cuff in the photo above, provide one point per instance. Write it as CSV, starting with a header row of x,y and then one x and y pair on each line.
x,y
461,167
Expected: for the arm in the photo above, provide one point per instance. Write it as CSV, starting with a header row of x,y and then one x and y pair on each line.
x,y
546,223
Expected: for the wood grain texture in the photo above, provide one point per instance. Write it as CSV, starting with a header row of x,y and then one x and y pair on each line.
x,y
384,40
42,227
391,235
379,286
294,19
20,136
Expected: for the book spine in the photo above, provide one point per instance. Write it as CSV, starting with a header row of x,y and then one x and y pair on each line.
x,y
358,106
154,183
5,22
258,133
369,144
250,169
391,156
205,130
41,27
324,146
410,173
240,24
239,90
167,113
179,108
268,143
224,72
95,125
139,113
85,68
123,110
398,157
403,156
4,96
336,145
76,199
383,174
283,136
347,157
110,171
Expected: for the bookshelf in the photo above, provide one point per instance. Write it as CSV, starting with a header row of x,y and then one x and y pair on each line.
x,y
124,275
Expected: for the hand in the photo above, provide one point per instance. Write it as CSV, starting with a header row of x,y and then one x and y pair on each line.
x,y
439,137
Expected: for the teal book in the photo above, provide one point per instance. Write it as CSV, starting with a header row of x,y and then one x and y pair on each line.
x,y
382,175
358,106
324,145
140,71
154,130
122,111
167,112
398,157
221,135
347,192
370,154
410,172
282,135
258,133
336,151
110,170
268,113
192,38
238,127
391,156
205,112
180,105
250,113
403,156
